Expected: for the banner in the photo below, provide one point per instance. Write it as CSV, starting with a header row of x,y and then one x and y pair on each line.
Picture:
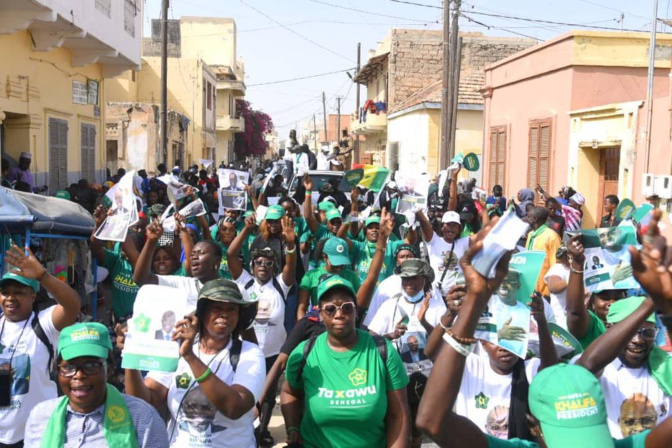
x,y
501,239
175,188
607,257
373,177
232,194
413,189
149,344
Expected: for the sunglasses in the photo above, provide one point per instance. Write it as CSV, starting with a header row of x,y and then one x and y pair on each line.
x,y
648,334
336,222
272,221
347,308
89,368
264,263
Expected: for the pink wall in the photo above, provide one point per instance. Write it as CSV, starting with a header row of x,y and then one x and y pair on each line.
x,y
514,106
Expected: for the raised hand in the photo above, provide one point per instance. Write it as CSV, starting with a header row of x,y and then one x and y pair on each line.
x,y
478,284
121,330
652,266
354,195
386,223
537,307
399,330
99,215
307,182
424,306
26,265
185,333
180,222
154,231
288,234
455,297
251,221
576,249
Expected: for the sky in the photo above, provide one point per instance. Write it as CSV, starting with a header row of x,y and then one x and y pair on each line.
x,y
281,40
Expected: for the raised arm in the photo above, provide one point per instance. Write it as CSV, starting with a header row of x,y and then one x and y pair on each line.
x,y
547,353
311,221
232,254
355,226
185,239
67,299
142,274
435,414
578,317
97,249
255,202
368,287
452,200
425,226
289,239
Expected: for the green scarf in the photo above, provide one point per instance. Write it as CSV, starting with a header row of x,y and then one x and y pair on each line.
x,y
117,426
534,235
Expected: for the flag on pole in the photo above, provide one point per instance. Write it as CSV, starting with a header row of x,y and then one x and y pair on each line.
x,y
375,177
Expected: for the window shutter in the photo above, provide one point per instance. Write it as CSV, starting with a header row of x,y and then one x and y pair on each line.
x,y
532,179
497,156
501,156
88,152
494,158
58,154
543,157
63,155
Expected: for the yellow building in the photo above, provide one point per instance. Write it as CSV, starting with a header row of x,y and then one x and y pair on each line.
x,y
56,53
204,80
401,113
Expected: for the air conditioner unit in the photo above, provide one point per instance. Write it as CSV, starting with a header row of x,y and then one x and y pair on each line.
x,y
648,185
663,186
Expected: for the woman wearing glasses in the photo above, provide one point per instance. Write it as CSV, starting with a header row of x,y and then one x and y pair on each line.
x,y
265,283
345,387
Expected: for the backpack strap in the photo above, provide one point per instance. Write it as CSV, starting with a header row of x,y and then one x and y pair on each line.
x,y
310,343
234,354
42,336
381,345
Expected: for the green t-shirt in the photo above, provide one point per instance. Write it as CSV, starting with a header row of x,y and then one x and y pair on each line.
x,y
124,289
224,264
311,280
345,393
595,330
636,441
362,254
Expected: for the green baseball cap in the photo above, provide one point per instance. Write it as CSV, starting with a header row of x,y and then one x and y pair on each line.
x,y
275,212
621,309
325,206
337,251
373,219
85,339
568,401
63,194
335,281
334,213
21,279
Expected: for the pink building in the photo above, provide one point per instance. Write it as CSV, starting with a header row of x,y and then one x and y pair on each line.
x,y
571,111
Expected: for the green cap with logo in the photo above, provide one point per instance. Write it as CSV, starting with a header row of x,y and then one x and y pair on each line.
x,y
336,249
568,401
275,212
332,282
20,279
373,219
333,213
325,206
85,339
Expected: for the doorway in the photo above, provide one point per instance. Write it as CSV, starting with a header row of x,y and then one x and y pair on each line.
x,y
610,160
112,155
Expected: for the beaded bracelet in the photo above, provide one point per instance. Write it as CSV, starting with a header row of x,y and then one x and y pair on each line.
x,y
463,341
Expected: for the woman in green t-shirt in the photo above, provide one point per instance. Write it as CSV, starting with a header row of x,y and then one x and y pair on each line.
x,y
345,387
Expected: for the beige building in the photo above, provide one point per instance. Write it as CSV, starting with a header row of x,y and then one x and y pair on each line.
x,y
56,55
401,113
204,80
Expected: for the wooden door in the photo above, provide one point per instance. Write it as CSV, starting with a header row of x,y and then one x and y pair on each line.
x,y
610,160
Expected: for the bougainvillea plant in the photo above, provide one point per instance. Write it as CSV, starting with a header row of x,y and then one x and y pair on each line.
x,y
252,142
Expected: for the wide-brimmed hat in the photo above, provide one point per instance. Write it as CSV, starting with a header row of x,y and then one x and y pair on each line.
x,y
223,290
413,267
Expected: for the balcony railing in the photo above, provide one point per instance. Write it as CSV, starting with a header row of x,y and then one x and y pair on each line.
x,y
227,123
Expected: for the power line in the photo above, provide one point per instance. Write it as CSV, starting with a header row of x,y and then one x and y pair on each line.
x,y
525,19
296,33
335,22
498,28
371,13
300,78
416,4
613,9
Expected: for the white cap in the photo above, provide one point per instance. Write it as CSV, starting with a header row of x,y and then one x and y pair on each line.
x,y
26,155
451,217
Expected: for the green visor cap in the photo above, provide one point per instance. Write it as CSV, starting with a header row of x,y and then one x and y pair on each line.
x,y
334,213
85,339
20,279
372,220
275,212
334,282
325,206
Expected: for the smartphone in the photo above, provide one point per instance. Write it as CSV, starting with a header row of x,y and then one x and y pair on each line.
x,y
5,387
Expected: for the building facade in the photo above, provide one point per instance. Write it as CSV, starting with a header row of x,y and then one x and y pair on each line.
x,y
52,102
571,112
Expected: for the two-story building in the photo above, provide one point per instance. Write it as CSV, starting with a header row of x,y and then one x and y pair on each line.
x,y
56,54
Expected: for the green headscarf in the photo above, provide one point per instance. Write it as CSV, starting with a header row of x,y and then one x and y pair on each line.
x,y
659,362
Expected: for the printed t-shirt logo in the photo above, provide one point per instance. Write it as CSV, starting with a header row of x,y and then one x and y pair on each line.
x,y
357,377
183,381
575,406
481,401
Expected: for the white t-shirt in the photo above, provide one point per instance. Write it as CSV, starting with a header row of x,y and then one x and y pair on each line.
x,y
559,300
269,325
387,289
301,163
190,284
620,383
194,421
437,249
392,311
31,384
485,394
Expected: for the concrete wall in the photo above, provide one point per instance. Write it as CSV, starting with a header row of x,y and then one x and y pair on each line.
x,y
411,132
38,86
212,39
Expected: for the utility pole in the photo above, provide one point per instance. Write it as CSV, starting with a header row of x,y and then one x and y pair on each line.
x,y
649,89
455,73
164,79
449,83
315,136
338,121
359,66
324,111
